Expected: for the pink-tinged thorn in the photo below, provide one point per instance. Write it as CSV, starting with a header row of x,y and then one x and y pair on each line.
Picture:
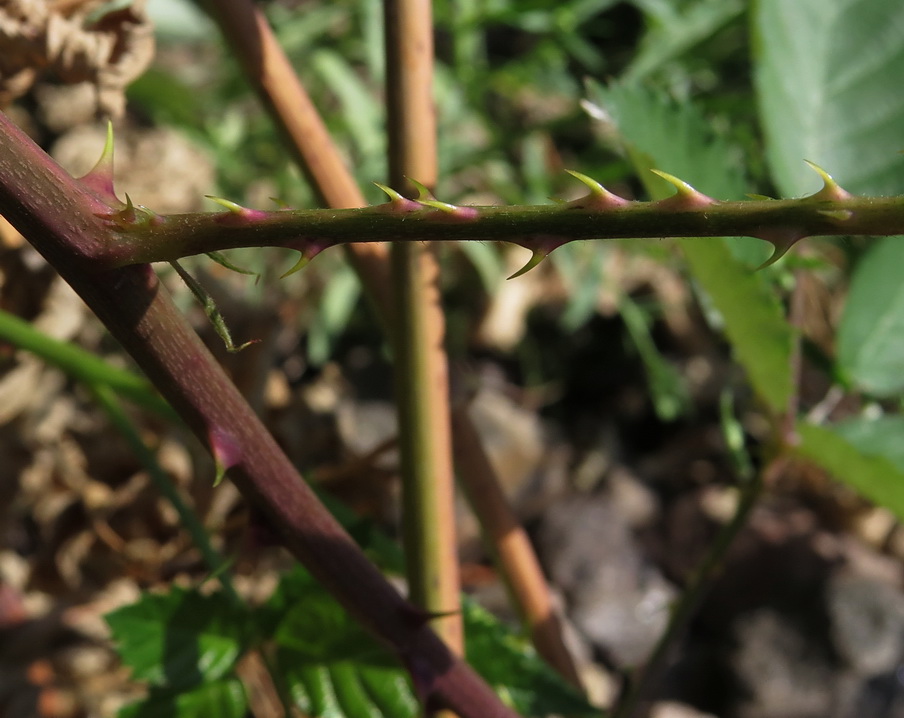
x,y
225,450
831,190
307,249
599,197
303,261
424,195
236,210
534,260
686,197
99,178
782,240
397,202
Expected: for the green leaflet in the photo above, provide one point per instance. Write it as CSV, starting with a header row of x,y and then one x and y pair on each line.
x,y
180,639
217,699
870,343
861,457
828,79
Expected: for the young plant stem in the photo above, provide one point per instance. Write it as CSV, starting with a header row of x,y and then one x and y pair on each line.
x,y
58,216
421,367
271,75
683,610
538,227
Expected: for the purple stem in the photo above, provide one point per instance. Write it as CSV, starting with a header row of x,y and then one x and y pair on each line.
x,y
58,216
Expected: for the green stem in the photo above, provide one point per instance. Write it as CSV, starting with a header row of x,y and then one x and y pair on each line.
x,y
541,227
687,603
421,366
82,365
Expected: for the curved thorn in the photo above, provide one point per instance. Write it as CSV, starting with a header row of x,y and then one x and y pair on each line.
x,y
534,260
759,197
423,194
303,261
682,187
393,195
99,178
228,204
831,190
595,187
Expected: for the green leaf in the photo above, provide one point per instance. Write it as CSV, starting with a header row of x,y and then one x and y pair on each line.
x,y
876,437
828,79
754,322
179,639
675,138
871,333
673,32
509,664
219,699
859,458
333,670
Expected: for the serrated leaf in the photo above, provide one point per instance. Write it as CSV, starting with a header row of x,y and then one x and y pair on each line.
x,y
675,138
219,699
828,76
179,639
851,455
871,333
510,664
348,675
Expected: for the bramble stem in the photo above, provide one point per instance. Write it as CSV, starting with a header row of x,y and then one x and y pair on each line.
x,y
544,227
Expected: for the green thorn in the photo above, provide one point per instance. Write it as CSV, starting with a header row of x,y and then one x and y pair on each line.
x,y
231,206
534,260
303,261
595,187
683,188
393,195
760,197
423,194
220,475
830,188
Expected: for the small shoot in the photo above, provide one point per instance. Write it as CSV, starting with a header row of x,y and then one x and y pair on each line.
x,y
210,309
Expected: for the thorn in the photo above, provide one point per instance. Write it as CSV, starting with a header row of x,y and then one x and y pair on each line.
x,y
99,178
759,197
782,241
599,197
226,452
831,190
534,260
281,203
397,202
236,209
686,197
423,194
303,261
